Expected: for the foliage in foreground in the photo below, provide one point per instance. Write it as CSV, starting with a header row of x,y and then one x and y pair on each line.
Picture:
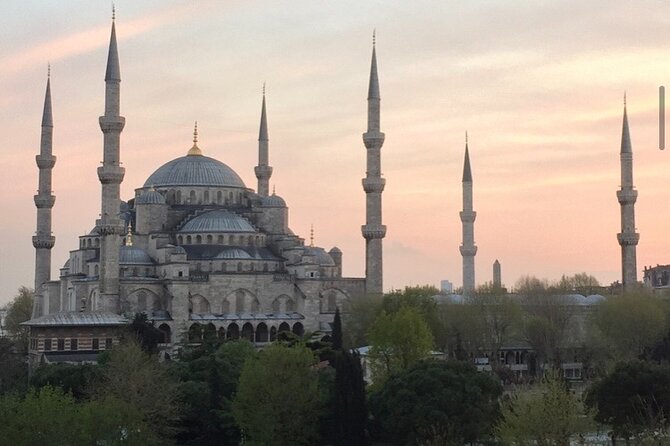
x,y
278,399
546,415
436,401
50,417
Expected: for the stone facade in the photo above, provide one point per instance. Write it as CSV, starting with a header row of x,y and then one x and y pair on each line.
x,y
197,250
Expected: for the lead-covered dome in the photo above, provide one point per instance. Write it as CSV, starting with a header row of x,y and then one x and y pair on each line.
x,y
218,221
194,170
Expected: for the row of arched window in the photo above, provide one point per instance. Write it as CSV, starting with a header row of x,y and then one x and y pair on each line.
x,y
193,197
239,267
220,239
260,333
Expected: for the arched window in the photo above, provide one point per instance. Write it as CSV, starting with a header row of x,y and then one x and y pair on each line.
x,y
231,240
206,197
178,197
191,197
188,240
135,272
284,327
88,243
233,331
198,239
262,333
223,267
167,333
298,329
147,272
141,301
332,302
239,267
180,240
248,332
219,240
290,306
209,332
219,197
222,333
209,239
97,243
195,333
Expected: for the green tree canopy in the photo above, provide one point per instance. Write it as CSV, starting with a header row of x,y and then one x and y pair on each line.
x,y
18,311
630,324
139,380
278,399
546,415
398,340
634,398
447,403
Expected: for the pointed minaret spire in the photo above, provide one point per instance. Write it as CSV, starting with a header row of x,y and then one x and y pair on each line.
x,y
468,216
311,236
43,240
263,171
627,196
111,175
373,184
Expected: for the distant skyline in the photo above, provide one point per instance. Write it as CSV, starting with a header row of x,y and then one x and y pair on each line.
x,y
538,86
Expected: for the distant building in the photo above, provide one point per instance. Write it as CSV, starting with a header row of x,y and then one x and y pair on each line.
x,y
657,276
446,286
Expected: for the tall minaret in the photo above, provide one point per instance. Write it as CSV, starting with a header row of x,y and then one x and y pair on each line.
x,y
627,196
373,230
43,241
468,248
497,276
111,175
263,170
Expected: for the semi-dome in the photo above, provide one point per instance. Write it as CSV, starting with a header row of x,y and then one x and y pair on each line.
x,y
218,221
233,253
132,255
322,257
194,170
273,201
150,197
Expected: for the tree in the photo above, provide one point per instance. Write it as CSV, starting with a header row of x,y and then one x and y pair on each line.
x,y
357,322
350,412
433,401
139,380
630,324
49,416
634,398
207,382
18,311
144,332
547,415
502,317
73,379
278,399
337,331
13,368
397,341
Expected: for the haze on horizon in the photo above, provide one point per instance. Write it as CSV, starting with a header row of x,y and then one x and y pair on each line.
x,y
538,86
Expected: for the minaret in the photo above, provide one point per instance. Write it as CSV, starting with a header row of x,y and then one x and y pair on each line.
x,y
111,175
373,184
497,276
468,248
627,196
43,241
263,170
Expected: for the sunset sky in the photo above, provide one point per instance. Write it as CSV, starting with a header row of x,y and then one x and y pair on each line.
x,y
538,86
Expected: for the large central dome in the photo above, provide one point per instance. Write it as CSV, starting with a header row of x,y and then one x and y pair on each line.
x,y
194,170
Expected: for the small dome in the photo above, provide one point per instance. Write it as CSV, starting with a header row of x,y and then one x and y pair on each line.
x,y
322,257
218,221
233,253
192,170
132,255
273,201
150,197
178,250
335,250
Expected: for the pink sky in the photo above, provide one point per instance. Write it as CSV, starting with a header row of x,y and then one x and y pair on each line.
x,y
537,85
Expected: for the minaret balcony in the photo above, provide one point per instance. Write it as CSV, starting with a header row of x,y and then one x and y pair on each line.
x,y
628,238
263,172
626,196
373,185
111,174
112,124
468,251
373,231
111,226
373,140
44,241
44,201
468,216
45,161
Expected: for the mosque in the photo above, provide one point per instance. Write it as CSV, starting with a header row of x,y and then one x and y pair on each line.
x,y
195,249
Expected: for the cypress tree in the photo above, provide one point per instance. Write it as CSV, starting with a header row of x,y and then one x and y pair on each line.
x,y
350,409
337,331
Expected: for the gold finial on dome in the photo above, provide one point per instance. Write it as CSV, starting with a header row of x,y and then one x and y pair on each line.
x,y
129,236
195,150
